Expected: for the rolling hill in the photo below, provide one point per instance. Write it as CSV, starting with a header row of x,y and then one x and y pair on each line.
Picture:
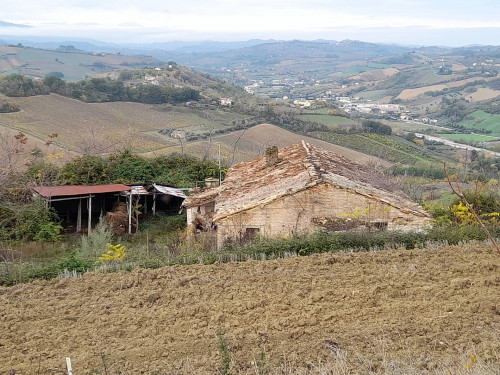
x,y
243,145
104,127
71,63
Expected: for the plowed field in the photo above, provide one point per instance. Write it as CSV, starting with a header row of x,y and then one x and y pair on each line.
x,y
415,306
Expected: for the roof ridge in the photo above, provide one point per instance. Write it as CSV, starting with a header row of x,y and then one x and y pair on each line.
x,y
309,162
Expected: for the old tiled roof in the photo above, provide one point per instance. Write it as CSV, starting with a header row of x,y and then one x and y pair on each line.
x,y
200,197
300,166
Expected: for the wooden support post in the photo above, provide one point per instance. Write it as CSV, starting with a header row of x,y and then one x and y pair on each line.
x,y
79,218
90,215
154,204
130,213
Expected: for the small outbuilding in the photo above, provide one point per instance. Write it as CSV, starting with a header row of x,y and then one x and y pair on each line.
x,y
300,189
81,206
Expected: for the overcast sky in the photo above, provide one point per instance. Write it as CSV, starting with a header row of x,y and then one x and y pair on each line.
x,y
444,22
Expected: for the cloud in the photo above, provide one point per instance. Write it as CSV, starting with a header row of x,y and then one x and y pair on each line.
x,y
235,18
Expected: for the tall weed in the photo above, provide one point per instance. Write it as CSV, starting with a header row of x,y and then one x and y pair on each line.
x,y
94,244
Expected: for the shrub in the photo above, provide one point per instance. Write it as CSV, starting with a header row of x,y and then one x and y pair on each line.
x,y
49,232
93,245
27,222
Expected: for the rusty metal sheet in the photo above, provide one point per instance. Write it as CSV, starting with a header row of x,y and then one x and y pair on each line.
x,y
72,190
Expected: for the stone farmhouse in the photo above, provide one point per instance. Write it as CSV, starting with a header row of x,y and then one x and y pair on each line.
x,y
300,189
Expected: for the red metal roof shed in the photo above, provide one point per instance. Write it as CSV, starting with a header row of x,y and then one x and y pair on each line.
x,y
73,190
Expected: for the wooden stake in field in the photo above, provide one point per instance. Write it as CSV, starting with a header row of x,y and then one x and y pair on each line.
x,y
68,366
458,192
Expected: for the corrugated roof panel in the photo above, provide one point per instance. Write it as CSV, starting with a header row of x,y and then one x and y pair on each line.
x,y
170,191
139,190
72,190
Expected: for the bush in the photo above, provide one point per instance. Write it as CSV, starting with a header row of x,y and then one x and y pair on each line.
x,y
95,243
8,107
23,272
28,222
85,170
376,127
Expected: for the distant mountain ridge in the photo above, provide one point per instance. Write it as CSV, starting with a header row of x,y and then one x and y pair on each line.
x,y
9,24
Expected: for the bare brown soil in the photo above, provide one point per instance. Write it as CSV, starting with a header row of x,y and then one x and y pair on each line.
x,y
422,306
375,75
482,93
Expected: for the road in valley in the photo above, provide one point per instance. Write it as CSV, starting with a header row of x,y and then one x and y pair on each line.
x,y
455,144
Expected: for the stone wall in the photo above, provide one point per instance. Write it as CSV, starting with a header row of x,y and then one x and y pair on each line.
x,y
321,206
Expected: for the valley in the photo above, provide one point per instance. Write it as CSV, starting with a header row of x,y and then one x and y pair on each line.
x,y
349,297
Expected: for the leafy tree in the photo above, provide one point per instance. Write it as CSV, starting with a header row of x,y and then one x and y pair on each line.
x,y
376,127
18,85
126,167
8,107
95,90
86,170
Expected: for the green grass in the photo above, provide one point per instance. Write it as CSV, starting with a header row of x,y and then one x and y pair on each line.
x,y
74,66
469,137
331,121
153,248
411,126
373,94
356,69
483,120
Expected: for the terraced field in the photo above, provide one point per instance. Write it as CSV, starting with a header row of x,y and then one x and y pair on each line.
x,y
243,145
387,148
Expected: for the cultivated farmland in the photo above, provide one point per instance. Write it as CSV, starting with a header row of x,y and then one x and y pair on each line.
x,y
400,311
123,124
252,143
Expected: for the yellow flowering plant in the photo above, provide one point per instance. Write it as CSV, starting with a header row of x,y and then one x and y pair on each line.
x,y
114,253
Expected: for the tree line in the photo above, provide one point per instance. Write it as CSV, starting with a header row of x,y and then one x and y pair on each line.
x,y
95,90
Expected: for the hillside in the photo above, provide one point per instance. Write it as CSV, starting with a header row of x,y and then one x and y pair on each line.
x,y
252,143
392,312
80,125
73,64
105,127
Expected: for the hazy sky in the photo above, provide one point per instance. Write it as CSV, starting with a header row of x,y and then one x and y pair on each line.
x,y
445,22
